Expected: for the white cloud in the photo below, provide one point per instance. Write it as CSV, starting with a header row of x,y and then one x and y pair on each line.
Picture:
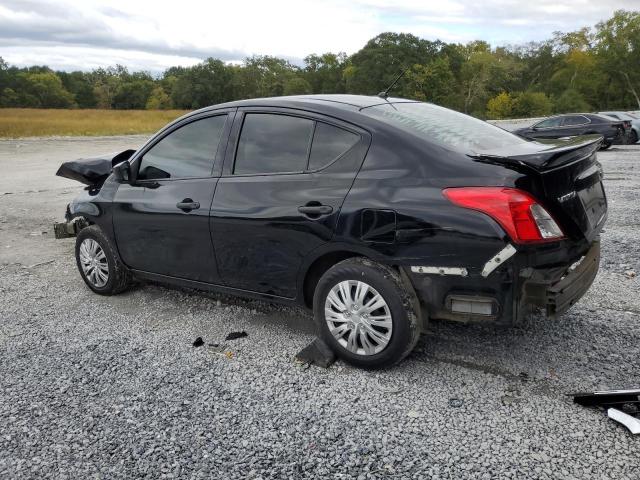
x,y
153,35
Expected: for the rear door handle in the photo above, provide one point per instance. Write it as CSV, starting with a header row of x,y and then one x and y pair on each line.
x,y
187,205
315,209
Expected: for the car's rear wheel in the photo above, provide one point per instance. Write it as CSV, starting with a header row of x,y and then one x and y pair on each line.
x,y
99,263
364,312
605,145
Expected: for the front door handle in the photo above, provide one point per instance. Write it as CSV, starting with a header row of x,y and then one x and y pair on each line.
x,y
315,210
187,205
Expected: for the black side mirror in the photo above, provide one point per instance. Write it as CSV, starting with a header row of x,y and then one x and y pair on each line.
x,y
122,172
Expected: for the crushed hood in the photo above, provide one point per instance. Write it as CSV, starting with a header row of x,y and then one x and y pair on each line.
x,y
93,171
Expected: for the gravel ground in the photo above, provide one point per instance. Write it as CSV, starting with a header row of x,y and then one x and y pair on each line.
x,y
113,388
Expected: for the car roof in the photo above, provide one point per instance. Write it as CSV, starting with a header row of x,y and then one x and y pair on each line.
x,y
312,102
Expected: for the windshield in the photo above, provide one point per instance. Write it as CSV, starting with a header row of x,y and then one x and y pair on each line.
x,y
444,126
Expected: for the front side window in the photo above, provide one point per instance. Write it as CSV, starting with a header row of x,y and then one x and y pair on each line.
x,y
273,143
446,127
188,151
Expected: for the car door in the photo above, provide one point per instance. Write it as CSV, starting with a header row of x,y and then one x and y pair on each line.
x,y
285,177
161,222
547,128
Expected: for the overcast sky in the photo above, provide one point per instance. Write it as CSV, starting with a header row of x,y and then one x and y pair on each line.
x,y
152,35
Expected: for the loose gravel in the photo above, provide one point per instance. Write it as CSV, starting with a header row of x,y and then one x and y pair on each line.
x,y
112,387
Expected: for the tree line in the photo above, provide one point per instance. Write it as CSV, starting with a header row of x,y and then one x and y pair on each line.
x,y
594,68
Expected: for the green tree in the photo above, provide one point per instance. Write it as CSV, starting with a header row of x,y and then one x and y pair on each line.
x,y
500,106
204,84
532,104
80,86
571,101
434,82
47,88
324,73
297,86
377,64
618,50
133,93
158,100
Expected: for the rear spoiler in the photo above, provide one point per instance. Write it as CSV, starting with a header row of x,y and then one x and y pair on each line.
x,y
93,171
549,154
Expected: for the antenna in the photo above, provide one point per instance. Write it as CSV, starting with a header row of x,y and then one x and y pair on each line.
x,y
385,93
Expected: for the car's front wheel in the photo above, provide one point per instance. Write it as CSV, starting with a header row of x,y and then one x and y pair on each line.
x,y
364,312
605,145
633,137
99,263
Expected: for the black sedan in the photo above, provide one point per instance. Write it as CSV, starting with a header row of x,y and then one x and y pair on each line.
x,y
377,214
572,124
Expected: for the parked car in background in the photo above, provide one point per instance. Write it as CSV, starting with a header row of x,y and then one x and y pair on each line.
x,y
376,213
572,124
634,134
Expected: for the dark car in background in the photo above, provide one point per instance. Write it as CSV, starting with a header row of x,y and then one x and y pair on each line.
x,y
378,214
572,124
628,118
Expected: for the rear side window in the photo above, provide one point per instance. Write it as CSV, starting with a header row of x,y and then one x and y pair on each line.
x,y
446,127
329,143
574,120
272,143
549,122
186,152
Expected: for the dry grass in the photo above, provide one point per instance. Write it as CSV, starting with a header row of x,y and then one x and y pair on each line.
x,y
32,122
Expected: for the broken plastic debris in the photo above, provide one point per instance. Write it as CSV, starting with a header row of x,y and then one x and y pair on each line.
x,y
235,335
317,353
456,402
198,342
632,423
623,406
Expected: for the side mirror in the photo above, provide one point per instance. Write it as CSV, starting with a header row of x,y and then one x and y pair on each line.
x,y
122,172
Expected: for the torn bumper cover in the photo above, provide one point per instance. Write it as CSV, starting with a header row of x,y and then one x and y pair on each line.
x,y
506,287
559,296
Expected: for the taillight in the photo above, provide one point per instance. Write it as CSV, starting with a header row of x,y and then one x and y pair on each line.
x,y
521,216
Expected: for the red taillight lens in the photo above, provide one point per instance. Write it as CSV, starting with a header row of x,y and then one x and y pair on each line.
x,y
521,216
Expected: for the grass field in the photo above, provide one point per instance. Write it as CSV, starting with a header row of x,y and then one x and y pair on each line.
x,y
33,122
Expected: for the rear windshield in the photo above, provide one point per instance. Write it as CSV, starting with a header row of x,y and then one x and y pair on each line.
x,y
444,126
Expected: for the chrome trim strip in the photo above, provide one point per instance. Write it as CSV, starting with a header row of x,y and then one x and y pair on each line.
x,y
460,271
498,259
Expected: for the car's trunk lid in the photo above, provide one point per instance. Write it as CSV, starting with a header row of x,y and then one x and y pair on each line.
x,y
570,175
93,171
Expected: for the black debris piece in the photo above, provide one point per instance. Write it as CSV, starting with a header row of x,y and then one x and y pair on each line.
x,y
456,402
235,335
623,406
317,353
198,342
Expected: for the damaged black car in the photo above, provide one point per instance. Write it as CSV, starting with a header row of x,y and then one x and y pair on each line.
x,y
378,214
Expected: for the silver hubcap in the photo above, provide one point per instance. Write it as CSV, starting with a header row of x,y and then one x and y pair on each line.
x,y
358,317
94,263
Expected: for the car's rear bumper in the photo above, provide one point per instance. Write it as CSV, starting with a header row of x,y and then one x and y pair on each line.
x,y
553,279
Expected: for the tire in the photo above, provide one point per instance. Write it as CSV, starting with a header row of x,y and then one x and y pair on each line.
x,y
378,345
604,146
96,253
633,137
